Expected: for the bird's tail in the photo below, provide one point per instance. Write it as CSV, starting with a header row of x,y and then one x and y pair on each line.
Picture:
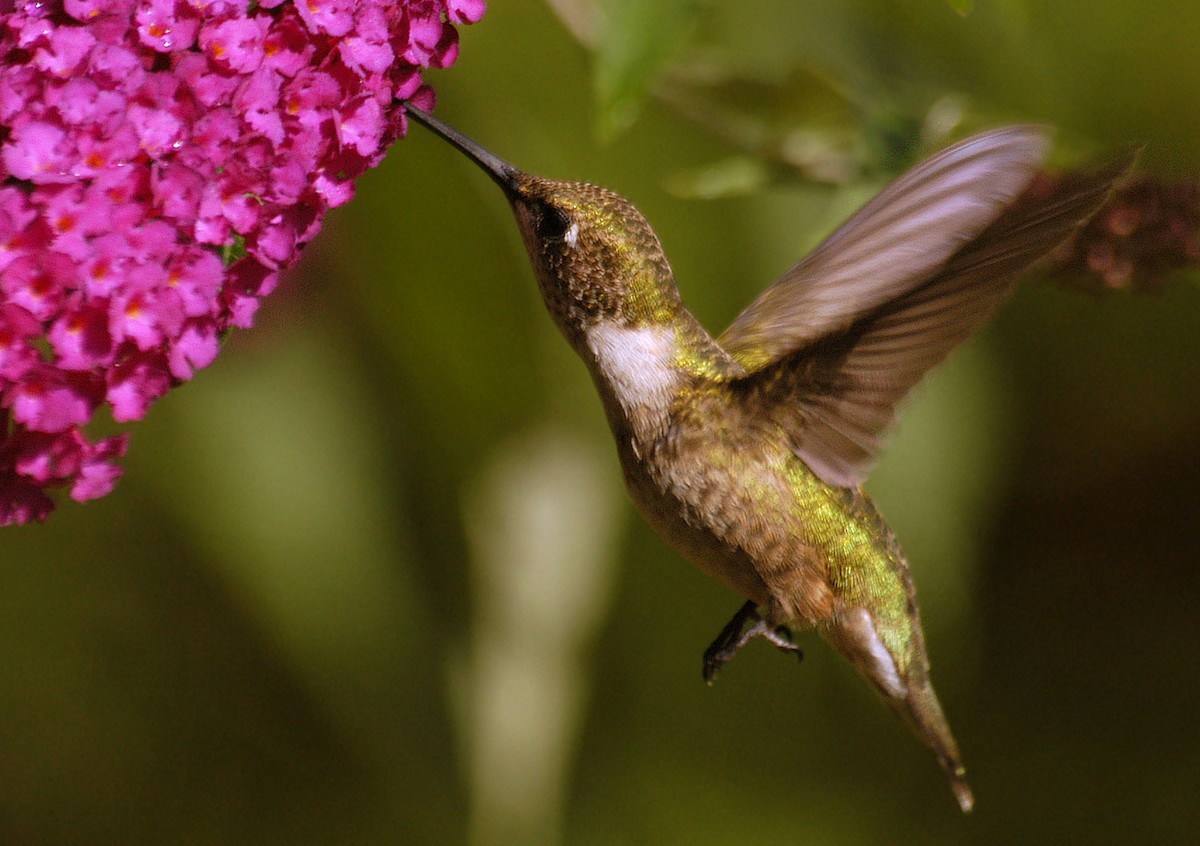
x,y
903,681
923,713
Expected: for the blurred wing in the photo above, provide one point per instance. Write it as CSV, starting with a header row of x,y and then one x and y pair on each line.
x,y
891,245
837,397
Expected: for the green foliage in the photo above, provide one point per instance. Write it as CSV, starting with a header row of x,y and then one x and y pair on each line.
x,y
234,251
637,41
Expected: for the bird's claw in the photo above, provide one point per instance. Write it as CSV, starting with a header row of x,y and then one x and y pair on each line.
x,y
732,639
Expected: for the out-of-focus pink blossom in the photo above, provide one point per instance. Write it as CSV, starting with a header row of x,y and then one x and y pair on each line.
x,y
160,162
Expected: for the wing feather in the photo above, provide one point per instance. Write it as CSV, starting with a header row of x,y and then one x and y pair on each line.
x,y
837,396
894,243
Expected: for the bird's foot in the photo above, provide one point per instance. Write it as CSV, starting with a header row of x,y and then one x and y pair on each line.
x,y
732,639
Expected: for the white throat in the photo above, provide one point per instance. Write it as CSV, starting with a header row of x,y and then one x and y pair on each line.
x,y
639,363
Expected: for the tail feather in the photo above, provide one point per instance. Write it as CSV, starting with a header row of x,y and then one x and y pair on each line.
x,y
903,682
923,713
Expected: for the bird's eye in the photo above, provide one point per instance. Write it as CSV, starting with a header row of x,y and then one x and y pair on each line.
x,y
553,223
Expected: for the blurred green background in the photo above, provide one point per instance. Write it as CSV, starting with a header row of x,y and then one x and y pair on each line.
x,y
372,577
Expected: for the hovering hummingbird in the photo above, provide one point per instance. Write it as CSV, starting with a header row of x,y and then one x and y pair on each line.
x,y
747,453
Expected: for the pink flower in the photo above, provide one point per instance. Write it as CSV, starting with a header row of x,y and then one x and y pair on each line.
x,y
160,162
465,11
166,26
332,17
52,400
66,48
97,471
81,339
236,44
38,151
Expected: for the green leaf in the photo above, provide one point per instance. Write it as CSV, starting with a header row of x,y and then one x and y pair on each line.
x,y
233,251
638,40
730,177
798,121
963,7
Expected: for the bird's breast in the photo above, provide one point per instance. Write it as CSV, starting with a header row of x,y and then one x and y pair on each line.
x,y
635,371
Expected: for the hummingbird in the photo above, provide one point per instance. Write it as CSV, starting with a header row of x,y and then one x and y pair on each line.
x,y
748,452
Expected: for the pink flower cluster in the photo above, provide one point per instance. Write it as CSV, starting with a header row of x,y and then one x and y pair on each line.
x,y
160,163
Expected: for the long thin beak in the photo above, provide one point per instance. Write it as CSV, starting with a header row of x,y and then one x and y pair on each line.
x,y
499,170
